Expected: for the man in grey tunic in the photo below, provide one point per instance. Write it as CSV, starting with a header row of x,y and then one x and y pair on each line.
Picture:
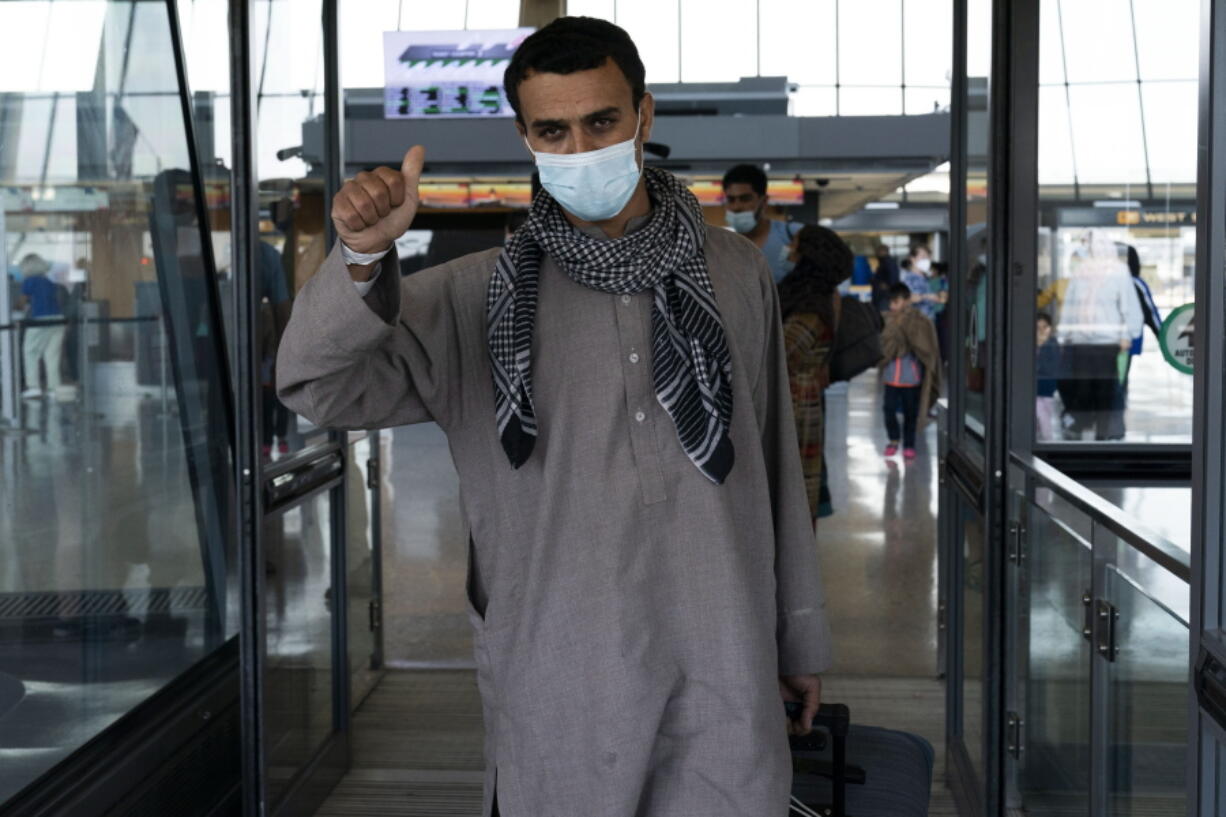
x,y
643,573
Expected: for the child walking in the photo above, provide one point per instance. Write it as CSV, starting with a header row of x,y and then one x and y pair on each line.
x,y
1047,376
911,371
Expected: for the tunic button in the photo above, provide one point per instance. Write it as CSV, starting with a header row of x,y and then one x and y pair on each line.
x,y
640,416
626,299
634,357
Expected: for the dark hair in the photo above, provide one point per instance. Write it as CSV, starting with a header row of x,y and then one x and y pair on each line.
x,y
1134,260
915,248
900,290
572,44
751,175
1043,316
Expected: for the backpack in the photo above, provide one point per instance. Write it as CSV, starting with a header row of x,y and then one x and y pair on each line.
x,y
857,339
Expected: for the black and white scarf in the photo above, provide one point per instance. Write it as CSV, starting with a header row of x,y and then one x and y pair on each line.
x,y
691,366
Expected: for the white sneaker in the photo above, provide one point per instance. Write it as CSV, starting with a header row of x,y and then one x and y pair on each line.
x,y
31,394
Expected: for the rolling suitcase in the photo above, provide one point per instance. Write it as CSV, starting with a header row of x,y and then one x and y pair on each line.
x,y
859,771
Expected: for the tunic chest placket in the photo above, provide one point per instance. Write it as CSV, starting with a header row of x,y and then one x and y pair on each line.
x,y
632,314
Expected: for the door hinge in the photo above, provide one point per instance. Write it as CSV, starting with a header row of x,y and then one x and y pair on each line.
x,y
376,615
1105,618
942,615
1013,730
1017,535
1087,620
372,474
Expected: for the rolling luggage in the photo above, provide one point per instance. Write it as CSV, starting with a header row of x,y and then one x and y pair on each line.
x,y
842,770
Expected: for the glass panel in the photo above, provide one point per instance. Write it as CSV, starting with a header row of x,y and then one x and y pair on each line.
x,y
1170,131
359,563
298,619
492,14
974,341
926,100
1107,138
604,9
1055,770
815,64
972,639
1085,25
288,67
928,29
855,101
1158,24
705,23
425,554
115,459
1148,724
1126,150
881,65
811,100
653,25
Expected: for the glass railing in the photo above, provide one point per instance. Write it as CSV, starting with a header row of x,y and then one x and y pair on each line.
x,y
1098,697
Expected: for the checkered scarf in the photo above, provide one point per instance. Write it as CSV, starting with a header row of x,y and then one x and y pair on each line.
x,y
691,367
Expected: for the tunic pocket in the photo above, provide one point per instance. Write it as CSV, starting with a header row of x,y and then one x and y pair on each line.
x,y
474,593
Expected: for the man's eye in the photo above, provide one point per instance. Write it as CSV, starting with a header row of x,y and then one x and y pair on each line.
x,y
603,124
550,133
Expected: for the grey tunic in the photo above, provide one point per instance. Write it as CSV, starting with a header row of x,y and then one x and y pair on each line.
x,y
630,617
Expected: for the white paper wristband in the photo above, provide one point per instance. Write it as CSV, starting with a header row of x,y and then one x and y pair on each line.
x,y
353,257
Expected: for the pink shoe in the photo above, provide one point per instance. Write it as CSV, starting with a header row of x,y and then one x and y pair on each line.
x,y
908,454
891,450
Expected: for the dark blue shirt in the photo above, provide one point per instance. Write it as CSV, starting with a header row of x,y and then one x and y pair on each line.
x,y
1047,368
44,296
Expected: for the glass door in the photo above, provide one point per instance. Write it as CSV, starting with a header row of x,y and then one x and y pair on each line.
x,y
968,566
1207,724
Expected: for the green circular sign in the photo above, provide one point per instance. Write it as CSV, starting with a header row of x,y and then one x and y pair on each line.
x,y
1176,338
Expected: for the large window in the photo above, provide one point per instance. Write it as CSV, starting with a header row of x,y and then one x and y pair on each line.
x,y
846,57
114,452
1117,169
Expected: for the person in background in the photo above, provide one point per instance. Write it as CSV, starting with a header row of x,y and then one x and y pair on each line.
x,y
885,276
809,302
745,202
1047,374
1099,318
928,292
911,370
43,339
1152,318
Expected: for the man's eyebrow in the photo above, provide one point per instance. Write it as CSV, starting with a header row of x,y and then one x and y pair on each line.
x,y
602,113
561,123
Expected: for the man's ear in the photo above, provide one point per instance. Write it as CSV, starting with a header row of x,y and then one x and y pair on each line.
x,y
647,114
523,135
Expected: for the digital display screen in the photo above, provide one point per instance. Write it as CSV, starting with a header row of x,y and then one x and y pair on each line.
x,y
447,74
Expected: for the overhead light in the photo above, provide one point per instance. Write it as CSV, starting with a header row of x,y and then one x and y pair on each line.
x,y
1117,204
881,205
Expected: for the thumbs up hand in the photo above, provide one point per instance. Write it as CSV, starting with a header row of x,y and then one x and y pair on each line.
x,y
376,207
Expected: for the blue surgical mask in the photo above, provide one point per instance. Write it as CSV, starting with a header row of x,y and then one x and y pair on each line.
x,y
786,263
594,185
742,222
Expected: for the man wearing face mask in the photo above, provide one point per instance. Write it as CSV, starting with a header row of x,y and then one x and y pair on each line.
x,y
745,202
643,581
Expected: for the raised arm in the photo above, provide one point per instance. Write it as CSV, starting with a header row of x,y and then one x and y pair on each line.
x,y
362,349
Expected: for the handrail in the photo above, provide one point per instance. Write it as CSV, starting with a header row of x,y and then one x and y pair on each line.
x,y
1163,552
37,322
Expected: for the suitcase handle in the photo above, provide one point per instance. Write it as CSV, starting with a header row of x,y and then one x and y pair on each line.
x,y
836,718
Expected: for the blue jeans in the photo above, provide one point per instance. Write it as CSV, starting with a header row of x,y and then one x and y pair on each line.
x,y
905,401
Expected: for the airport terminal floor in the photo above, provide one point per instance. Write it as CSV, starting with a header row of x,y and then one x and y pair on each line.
x,y
306,466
